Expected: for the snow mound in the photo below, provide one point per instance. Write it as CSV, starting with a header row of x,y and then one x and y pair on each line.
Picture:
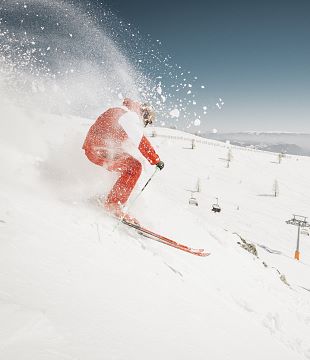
x,y
73,286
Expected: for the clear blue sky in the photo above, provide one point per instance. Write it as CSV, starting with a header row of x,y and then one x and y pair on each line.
x,y
255,55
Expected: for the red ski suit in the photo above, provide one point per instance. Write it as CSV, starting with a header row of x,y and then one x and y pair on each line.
x,y
105,146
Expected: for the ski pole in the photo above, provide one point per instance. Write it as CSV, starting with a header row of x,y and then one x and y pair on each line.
x,y
135,199
146,184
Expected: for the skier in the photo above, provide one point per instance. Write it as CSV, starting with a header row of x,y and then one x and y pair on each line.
x,y
108,144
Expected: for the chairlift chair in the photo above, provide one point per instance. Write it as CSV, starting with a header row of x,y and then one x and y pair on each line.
x,y
193,201
216,207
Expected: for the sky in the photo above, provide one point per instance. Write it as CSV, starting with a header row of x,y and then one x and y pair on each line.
x,y
253,55
252,58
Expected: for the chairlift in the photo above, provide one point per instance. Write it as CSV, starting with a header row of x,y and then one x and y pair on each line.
x,y
304,232
216,207
193,201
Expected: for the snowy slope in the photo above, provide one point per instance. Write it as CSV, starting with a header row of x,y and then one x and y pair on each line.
x,y
72,288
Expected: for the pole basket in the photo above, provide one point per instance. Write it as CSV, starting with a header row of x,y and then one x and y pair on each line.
x,y
297,255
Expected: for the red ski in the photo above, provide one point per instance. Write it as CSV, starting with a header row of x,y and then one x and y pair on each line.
x,y
150,234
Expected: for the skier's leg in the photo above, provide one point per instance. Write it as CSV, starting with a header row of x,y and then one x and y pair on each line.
x,y
130,171
96,157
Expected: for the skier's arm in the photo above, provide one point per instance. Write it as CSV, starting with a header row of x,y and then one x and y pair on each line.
x,y
148,152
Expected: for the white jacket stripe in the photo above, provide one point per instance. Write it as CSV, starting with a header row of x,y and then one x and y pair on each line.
x,y
132,125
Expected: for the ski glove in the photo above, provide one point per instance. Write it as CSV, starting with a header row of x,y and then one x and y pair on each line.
x,y
160,165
